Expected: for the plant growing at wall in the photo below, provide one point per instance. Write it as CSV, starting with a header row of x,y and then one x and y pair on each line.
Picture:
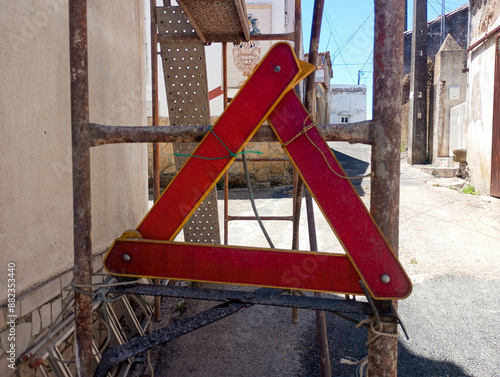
x,y
469,190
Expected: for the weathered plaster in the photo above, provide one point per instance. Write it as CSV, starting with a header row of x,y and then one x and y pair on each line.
x,y
448,73
479,108
484,15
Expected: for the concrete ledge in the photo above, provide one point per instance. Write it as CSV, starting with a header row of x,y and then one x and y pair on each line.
x,y
440,172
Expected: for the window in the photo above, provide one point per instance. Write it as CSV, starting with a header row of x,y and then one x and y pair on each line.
x,y
344,119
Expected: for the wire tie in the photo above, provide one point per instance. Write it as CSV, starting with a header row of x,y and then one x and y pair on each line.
x,y
304,132
231,154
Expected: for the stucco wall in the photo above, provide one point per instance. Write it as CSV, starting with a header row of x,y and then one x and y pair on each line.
x,y
36,229
479,110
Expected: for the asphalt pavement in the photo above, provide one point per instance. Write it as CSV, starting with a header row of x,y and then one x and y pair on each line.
x,y
450,247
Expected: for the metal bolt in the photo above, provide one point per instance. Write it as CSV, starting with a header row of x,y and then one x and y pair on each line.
x,y
126,258
386,279
277,68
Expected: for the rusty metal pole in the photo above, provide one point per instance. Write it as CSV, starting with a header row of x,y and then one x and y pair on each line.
x,y
82,221
154,89
324,354
155,122
298,34
386,136
298,185
417,138
297,182
226,174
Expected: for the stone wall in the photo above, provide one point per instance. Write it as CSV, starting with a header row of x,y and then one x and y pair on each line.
x,y
263,174
405,117
456,24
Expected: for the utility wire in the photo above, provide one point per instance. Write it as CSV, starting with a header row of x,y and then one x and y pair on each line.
x,y
369,56
363,64
338,48
351,37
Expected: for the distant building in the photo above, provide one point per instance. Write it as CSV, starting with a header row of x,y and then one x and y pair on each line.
x,y
456,24
347,103
321,107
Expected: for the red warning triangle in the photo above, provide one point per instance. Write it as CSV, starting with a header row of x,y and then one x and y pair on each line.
x,y
267,94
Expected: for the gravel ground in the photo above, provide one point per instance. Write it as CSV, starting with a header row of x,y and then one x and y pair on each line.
x,y
449,245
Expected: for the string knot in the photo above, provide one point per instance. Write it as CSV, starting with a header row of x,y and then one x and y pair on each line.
x,y
304,132
231,153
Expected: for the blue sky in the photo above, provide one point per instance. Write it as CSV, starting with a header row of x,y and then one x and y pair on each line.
x,y
347,32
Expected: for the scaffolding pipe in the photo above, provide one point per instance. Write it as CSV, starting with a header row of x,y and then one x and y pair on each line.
x,y
82,222
155,118
324,354
253,37
298,185
155,122
358,132
385,160
226,173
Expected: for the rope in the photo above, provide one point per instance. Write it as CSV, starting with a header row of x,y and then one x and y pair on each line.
x,y
304,132
360,370
231,153
376,332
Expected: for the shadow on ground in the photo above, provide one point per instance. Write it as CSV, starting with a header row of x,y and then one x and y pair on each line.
x,y
352,166
344,342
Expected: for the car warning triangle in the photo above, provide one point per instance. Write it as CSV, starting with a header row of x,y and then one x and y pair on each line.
x,y
149,251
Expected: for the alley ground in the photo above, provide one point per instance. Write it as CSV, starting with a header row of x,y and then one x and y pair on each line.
x,y
450,247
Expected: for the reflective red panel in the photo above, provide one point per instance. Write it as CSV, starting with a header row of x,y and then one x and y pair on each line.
x,y
268,89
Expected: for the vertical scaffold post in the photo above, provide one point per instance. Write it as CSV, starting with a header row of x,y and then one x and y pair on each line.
x,y
82,222
386,136
155,118
298,185
155,121
324,355
226,174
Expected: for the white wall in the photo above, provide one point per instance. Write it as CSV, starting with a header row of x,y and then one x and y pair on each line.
x,y
457,127
479,110
348,99
36,213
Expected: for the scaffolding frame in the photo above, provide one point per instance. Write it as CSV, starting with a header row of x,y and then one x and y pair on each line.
x,y
382,133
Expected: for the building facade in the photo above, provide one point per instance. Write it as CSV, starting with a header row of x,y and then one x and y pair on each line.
x,y
347,103
456,24
482,131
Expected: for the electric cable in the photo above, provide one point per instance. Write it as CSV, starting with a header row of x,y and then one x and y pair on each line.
x,y
252,201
